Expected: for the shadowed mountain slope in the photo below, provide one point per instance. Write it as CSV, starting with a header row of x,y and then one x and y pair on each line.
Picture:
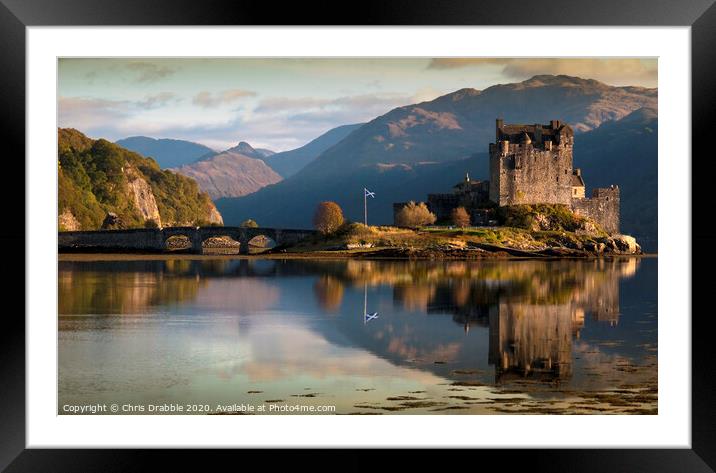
x,y
167,153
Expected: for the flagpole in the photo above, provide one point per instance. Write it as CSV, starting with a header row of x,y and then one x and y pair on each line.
x,y
365,207
365,302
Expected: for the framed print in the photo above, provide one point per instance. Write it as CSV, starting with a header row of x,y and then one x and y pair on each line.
x,y
417,228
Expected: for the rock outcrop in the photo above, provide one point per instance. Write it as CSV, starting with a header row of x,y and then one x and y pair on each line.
x,y
67,222
143,196
112,222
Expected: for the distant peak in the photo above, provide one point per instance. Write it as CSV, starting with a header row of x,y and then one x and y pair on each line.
x,y
561,79
243,146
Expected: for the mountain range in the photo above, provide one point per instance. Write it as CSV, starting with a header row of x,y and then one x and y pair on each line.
x,y
427,147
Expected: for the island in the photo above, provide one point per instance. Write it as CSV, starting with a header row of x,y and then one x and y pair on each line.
x,y
534,205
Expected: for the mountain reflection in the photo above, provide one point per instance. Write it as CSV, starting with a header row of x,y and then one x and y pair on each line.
x,y
524,319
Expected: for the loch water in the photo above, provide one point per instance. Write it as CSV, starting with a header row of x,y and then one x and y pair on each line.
x,y
250,335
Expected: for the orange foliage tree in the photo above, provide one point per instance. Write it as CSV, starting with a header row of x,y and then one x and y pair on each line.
x,y
414,215
328,217
460,217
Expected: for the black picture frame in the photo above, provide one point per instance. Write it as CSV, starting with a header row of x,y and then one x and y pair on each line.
x,y
700,15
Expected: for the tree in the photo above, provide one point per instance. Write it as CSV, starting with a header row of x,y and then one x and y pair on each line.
x,y
328,217
249,223
414,215
460,217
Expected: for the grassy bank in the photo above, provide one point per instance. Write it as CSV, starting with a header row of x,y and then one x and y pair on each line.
x,y
361,240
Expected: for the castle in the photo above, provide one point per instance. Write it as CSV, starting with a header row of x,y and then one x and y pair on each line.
x,y
529,164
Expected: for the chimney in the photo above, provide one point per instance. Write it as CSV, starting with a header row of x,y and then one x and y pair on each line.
x,y
499,122
554,124
577,172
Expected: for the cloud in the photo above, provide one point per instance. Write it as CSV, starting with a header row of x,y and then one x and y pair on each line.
x,y
359,104
87,113
616,71
158,100
208,100
278,123
149,72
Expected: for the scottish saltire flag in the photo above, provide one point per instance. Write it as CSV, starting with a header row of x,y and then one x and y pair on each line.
x,y
369,317
368,193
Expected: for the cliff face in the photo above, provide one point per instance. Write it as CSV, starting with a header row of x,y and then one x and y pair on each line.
x,y
142,195
97,177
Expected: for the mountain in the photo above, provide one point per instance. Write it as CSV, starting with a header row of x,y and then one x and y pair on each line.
x,y
625,152
97,177
427,147
236,172
251,152
288,163
167,153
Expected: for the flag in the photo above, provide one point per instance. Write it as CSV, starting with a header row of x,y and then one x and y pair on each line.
x,y
368,193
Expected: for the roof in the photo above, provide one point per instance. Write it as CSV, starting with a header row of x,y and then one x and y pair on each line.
x,y
536,133
577,181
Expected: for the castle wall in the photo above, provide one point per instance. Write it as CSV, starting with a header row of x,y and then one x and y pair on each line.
x,y
523,174
602,207
442,204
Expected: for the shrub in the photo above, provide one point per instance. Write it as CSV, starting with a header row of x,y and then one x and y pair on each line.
x,y
151,223
328,217
460,217
414,215
546,217
249,223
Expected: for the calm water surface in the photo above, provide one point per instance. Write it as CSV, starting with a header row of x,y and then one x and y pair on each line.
x,y
374,337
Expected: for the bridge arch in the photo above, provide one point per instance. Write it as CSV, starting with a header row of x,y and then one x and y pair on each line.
x,y
221,244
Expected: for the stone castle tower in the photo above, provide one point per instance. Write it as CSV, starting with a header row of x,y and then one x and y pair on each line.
x,y
532,164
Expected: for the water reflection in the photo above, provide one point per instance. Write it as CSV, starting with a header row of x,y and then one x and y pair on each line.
x,y
556,324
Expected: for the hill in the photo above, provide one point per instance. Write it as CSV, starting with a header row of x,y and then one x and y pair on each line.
x,y
167,153
625,152
96,177
427,147
288,163
235,172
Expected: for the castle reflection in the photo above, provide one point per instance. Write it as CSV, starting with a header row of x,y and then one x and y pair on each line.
x,y
533,314
527,315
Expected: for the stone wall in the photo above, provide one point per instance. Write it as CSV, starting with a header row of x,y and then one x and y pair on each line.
x,y
602,207
524,174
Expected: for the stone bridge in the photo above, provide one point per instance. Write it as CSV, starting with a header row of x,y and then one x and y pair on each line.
x,y
155,239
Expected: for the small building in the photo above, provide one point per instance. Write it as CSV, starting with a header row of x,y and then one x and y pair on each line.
x,y
577,184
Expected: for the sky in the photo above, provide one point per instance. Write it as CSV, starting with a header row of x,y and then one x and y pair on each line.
x,y
283,103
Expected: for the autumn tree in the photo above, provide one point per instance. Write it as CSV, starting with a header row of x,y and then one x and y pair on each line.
x,y
249,223
460,217
328,217
414,215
